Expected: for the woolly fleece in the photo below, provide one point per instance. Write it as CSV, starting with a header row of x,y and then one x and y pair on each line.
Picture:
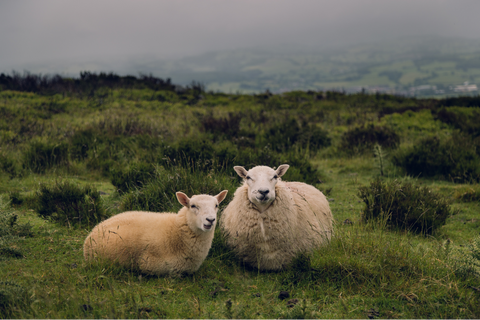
x,y
298,220
155,243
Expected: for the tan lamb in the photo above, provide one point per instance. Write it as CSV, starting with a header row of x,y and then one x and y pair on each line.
x,y
270,221
158,243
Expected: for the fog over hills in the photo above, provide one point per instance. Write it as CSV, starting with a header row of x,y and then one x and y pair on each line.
x,y
249,45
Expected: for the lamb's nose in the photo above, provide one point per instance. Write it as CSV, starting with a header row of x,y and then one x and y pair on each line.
x,y
211,220
264,192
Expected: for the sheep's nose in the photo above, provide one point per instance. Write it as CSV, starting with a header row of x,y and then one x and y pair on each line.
x,y
264,192
211,220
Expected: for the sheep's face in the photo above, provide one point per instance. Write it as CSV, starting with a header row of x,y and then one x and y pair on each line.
x,y
202,210
261,181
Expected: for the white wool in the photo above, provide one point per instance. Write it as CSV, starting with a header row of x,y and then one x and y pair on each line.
x,y
158,243
270,221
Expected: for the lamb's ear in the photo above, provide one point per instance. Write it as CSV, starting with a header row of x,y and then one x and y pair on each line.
x,y
282,169
241,171
221,196
183,199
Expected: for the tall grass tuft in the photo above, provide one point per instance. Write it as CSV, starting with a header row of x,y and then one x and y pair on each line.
x,y
380,158
41,156
134,176
13,299
404,206
69,204
158,194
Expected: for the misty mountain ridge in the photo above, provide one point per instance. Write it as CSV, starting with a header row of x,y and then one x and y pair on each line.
x,y
398,64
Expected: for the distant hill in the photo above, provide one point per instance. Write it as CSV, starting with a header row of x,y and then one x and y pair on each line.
x,y
407,65
417,66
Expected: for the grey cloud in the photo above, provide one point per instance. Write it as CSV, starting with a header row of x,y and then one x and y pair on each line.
x,y
51,30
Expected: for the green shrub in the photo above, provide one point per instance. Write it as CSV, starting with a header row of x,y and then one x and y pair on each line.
x,y
80,143
132,177
404,206
454,159
362,139
13,298
15,198
199,153
227,127
41,156
158,194
289,133
7,165
465,119
69,204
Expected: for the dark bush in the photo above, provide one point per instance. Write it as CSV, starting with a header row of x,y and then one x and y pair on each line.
x,y
85,85
8,166
15,198
228,127
460,101
363,139
46,110
404,206
41,156
132,177
200,154
159,193
453,158
289,133
467,123
80,143
69,204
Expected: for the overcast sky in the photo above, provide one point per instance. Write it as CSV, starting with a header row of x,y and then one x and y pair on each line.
x,y
33,31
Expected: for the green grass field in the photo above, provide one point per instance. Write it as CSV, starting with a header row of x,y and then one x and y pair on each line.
x,y
190,142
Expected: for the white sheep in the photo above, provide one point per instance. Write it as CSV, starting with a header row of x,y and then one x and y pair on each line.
x,y
270,221
158,243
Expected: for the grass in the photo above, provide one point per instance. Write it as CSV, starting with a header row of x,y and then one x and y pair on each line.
x,y
366,271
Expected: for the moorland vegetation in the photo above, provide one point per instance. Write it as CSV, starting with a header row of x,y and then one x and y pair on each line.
x,y
401,176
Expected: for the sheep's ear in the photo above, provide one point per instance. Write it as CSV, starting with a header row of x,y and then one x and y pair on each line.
x,y
282,169
183,199
221,196
241,171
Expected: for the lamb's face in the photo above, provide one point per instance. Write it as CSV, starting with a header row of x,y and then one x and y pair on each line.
x,y
202,210
261,181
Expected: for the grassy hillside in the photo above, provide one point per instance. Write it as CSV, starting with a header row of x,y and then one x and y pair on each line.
x,y
128,143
